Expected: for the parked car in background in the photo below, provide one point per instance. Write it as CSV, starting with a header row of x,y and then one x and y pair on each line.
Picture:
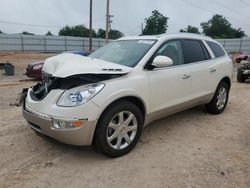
x,y
34,70
107,98
244,71
244,56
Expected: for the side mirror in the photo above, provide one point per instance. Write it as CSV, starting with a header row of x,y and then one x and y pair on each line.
x,y
162,61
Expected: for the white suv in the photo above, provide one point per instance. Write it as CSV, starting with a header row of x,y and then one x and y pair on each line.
x,y
106,99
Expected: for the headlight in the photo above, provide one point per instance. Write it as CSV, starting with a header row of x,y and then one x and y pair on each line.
x,y
79,95
39,66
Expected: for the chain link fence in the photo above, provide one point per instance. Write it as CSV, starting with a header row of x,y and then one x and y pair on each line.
x,y
46,44
235,45
52,44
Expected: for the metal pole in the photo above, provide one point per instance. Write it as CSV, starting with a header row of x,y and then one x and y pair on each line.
x,y
22,43
65,43
44,43
107,22
142,28
240,45
90,26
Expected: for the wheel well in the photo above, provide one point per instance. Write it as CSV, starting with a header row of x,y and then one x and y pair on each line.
x,y
227,80
135,100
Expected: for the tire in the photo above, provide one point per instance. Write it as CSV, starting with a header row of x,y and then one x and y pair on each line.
x,y
113,129
221,94
240,76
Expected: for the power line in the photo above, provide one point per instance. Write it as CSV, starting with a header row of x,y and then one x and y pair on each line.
x,y
230,9
33,25
213,12
245,2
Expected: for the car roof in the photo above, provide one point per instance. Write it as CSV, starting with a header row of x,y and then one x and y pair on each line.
x,y
168,37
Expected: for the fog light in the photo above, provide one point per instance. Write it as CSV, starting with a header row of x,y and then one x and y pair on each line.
x,y
64,125
59,124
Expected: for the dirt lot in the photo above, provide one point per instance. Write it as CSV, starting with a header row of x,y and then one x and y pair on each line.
x,y
189,149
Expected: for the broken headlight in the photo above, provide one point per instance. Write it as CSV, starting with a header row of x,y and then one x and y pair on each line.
x,y
79,95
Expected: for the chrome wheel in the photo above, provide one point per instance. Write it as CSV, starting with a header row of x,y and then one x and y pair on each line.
x,y
221,98
121,130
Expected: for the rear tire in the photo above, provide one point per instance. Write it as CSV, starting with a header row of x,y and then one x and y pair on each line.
x,y
119,129
220,99
240,76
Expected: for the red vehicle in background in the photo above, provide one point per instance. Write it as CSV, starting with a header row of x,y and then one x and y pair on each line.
x,y
243,56
34,70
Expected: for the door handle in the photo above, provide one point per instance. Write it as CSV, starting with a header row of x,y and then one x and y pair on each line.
x,y
186,76
212,70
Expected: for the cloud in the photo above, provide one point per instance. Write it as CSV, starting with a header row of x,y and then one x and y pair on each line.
x,y
128,14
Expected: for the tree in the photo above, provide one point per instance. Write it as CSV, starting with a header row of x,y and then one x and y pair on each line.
x,y
101,33
190,29
76,31
113,34
1,32
48,33
219,27
27,33
157,23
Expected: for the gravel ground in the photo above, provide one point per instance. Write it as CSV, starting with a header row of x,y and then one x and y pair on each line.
x,y
188,149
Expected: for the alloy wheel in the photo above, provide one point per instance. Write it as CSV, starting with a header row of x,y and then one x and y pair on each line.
x,y
221,98
121,130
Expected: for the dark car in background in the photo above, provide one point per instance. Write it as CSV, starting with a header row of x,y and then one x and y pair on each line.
x,y
34,70
244,56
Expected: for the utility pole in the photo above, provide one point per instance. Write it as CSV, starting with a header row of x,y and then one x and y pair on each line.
x,y
107,22
142,28
90,26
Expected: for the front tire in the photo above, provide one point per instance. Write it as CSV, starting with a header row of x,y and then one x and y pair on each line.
x,y
119,129
220,99
240,76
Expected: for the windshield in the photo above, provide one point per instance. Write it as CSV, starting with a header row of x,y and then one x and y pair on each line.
x,y
124,52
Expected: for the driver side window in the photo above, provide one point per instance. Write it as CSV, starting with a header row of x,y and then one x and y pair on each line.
x,y
173,50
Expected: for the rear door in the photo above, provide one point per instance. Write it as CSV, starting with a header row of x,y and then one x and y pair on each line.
x,y
202,68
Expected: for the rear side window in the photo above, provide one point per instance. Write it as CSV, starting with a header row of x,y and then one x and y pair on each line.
x,y
216,49
194,51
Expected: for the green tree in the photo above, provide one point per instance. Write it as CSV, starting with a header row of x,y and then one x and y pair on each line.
x,y
76,31
113,34
48,33
190,29
157,23
101,33
219,27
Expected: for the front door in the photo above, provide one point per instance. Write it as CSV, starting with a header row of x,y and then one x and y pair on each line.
x,y
170,87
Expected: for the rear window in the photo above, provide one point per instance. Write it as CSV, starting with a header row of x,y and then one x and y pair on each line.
x,y
194,51
216,49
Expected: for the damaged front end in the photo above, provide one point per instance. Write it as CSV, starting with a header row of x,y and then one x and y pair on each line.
x,y
41,89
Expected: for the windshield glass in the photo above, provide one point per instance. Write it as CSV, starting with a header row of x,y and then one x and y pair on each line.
x,y
124,52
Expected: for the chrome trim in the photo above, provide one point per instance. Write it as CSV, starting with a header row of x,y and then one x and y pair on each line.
x,y
178,108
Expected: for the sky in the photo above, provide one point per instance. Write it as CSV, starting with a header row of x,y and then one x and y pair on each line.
x,y
128,14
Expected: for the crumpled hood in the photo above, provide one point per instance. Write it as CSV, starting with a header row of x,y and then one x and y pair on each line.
x,y
65,65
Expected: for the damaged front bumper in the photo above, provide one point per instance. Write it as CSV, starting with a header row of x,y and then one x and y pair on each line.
x,y
69,130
